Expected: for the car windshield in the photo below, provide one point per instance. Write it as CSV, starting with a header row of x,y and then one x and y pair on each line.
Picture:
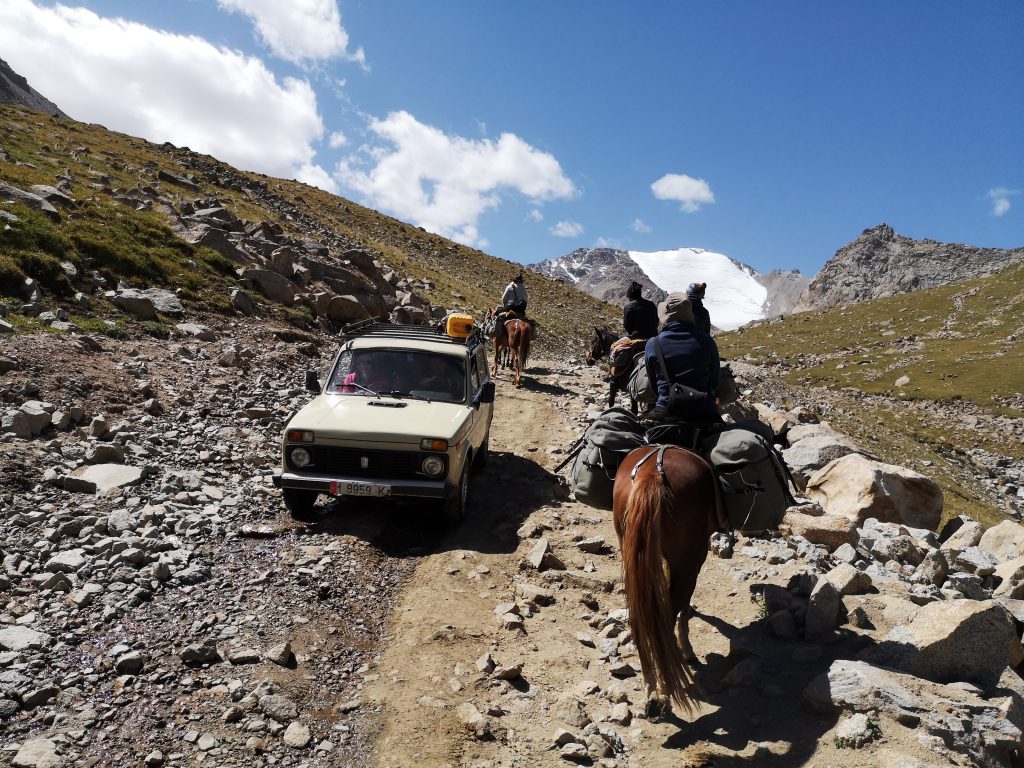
x,y
400,373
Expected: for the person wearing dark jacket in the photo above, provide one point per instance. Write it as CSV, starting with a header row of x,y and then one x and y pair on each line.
x,y
701,316
691,359
639,316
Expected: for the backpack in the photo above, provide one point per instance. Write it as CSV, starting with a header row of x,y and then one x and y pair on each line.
x,y
639,386
753,478
606,443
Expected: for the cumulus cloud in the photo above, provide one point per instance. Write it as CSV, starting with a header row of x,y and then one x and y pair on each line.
x,y
163,87
337,139
535,215
689,192
1000,197
608,242
316,176
567,229
444,183
639,225
298,30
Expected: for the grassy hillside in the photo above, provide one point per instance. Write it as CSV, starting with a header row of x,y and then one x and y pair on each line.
x,y
959,345
138,247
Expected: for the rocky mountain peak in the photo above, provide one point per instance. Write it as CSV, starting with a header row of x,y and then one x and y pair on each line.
x,y
14,89
881,262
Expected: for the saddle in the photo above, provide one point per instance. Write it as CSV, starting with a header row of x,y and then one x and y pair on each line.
x,y
623,353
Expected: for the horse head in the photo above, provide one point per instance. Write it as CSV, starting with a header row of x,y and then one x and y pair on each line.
x,y
599,346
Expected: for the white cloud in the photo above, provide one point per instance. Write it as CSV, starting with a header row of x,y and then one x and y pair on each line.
x,y
162,86
567,229
444,183
316,176
689,192
1000,197
298,30
639,225
535,215
608,242
337,139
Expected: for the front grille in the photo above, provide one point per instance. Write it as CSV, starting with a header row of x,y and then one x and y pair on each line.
x,y
393,465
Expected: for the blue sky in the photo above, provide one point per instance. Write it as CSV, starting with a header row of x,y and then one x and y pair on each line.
x,y
771,132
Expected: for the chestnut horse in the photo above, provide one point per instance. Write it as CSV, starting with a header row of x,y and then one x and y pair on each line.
x,y
519,342
665,513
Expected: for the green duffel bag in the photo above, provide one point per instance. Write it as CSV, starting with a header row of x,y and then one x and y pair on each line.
x,y
639,386
753,478
607,441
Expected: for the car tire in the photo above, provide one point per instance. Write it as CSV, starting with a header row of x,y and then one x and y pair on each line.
x,y
453,508
482,455
300,503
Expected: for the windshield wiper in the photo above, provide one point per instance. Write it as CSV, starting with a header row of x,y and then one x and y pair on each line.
x,y
397,393
365,389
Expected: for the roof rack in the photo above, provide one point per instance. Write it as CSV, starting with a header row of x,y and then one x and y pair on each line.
x,y
379,329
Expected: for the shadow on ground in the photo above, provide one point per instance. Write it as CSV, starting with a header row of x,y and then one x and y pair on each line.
x,y
501,496
757,689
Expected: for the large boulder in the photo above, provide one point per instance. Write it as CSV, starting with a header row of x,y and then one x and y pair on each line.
x,y
134,302
831,531
164,301
857,487
1004,541
14,195
346,309
810,454
39,415
952,716
274,286
952,641
97,478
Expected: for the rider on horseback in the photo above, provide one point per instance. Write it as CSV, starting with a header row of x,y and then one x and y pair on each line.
x,y
683,366
513,305
640,315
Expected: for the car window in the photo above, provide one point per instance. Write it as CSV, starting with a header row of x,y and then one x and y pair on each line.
x,y
481,357
424,374
475,374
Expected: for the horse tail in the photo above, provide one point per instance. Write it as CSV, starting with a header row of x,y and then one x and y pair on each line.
x,y
651,618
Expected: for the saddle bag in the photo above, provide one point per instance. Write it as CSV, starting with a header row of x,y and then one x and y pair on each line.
x,y
606,443
639,386
753,478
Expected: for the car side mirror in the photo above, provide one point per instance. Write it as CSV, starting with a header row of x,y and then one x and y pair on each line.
x,y
487,393
312,382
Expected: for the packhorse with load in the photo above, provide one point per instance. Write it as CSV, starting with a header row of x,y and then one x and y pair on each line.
x,y
671,486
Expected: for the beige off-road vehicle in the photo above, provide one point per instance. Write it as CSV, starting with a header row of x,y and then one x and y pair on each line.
x,y
405,412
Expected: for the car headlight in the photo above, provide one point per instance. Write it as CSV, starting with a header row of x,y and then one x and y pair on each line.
x,y
300,457
433,466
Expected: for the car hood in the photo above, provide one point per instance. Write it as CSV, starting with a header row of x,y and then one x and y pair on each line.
x,y
354,417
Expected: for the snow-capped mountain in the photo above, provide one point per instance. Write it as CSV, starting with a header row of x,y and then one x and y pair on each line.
x,y
736,293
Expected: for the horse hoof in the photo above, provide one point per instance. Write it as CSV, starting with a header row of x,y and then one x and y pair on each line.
x,y
657,710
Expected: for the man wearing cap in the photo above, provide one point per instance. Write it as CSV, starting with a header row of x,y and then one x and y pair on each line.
x,y
701,316
689,358
640,315
514,298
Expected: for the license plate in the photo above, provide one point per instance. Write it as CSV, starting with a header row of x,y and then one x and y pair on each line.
x,y
359,489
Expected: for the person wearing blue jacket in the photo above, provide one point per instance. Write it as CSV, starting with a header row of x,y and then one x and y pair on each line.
x,y
691,359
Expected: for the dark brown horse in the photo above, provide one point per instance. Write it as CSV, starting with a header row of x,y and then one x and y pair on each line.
x,y
601,346
665,512
518,332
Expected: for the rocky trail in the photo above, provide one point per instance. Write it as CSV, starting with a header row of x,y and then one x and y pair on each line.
x,y
166,611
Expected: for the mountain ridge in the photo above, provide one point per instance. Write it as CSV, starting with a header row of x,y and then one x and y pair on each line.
x,y
880,262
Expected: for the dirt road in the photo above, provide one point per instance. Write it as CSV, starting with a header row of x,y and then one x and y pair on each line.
x,y
475,600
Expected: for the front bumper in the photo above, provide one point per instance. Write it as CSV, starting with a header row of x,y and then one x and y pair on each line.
x,y
425,489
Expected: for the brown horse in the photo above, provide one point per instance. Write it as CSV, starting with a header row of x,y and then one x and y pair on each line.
x,y
518,332
665,512
618,379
